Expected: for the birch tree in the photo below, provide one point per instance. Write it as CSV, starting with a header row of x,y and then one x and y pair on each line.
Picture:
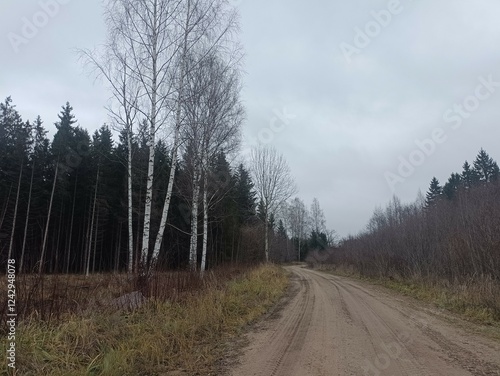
x,y
317,217
112,65
157,35
298,220
222,128
208,28
213,116
147,30
273,183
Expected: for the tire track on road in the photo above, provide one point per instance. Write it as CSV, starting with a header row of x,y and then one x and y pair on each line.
x,y
335,326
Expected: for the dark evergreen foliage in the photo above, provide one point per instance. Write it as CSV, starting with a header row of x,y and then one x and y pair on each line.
x,y
88,225
433,193
485,167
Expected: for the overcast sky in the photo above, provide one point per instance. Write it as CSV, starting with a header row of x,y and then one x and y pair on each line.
x,y
365,99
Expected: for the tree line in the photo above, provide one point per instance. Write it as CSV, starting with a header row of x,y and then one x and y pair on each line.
x,y
64,202
166,191
451,234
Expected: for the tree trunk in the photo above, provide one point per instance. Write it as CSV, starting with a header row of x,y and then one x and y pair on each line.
x,y
130,211
138,233
117,256
4,211
56,258
21,262
89,252
205,225
86,238
266,236
15,212
178,119
193,249
44,244
151,162
71,226
299,249
95,240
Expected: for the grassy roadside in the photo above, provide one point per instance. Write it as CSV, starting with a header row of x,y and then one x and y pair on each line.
x,y
477,301
187,337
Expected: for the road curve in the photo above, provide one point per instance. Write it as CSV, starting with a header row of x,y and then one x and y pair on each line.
x,y
337,326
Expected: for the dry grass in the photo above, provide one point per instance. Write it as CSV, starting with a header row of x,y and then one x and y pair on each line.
x,y
476,299
187,334
51,297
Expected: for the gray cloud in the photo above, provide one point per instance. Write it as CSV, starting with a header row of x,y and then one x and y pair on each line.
x,y
353,121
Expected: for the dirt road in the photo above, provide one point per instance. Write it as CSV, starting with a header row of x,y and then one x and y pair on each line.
x,y
337,326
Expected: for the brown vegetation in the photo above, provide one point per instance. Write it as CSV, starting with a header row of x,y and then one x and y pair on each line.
x,y
186,333
448,252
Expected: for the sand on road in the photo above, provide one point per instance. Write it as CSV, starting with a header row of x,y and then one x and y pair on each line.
x,y
338,326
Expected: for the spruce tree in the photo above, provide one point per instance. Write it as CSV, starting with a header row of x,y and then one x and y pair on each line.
x,y
433,193
64,137
281,232
485,167
452,186
469,176
245,195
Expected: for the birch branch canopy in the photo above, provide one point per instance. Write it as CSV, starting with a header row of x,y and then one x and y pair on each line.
x,y
272,177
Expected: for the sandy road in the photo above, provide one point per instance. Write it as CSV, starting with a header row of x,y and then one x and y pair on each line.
x,y
336,326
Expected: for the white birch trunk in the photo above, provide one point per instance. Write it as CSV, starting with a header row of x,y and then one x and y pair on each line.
x,y
173,169
152,130
130,214
193,248
205,224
